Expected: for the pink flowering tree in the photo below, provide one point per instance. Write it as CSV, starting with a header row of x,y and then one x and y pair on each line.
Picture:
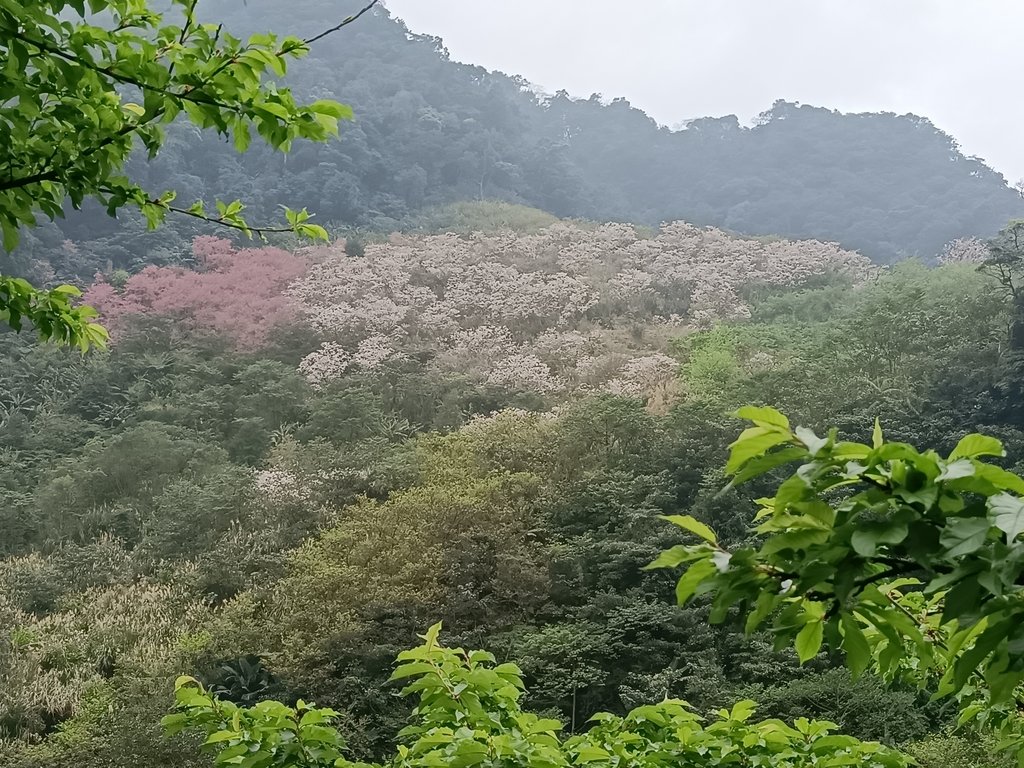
x,y
239,293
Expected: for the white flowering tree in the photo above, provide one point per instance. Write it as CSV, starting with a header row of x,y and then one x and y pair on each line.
x,y
544,312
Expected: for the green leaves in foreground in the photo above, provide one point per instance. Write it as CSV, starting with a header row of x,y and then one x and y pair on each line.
x,y
468,714
94,82
906,560
51,313
102,86
266,735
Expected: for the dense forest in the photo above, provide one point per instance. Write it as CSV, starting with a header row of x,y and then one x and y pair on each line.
x,y
527,341
430,131
482,430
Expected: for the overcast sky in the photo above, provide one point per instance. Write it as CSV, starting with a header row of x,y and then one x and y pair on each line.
x,y
957,62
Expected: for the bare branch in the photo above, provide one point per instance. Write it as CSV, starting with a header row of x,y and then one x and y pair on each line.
x,y
344,23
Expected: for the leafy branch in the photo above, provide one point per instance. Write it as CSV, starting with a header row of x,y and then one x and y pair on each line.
x,y
73,132
852,527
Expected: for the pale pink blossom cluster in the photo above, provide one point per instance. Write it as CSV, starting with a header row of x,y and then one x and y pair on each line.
x,y
542,311
325,364
565,349
332,359
964,250
373,351
523,372
761,361
508,420
280,485
640,376
471,348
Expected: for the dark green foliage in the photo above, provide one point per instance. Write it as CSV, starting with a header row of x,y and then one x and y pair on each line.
x,y
865,705
95,86
175,505
317,530
244,681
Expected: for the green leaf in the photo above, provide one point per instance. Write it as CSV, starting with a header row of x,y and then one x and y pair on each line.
x,y
808,640
219,736
312,231
876,434
11,235
430,639
795,540
277,110
1006,513
975,445
855,645
763,416
691,524
999,477
751,443
765,604
972,658
964,535
332,109
674,556
411,669
762,464
962,601
590,754
258,758
956,469
868,536
742,710
242,137
692,579
846,450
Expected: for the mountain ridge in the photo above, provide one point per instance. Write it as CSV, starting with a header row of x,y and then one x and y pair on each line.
x,y
431,131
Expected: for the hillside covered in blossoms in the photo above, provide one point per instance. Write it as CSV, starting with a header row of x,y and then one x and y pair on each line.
x,y
279,484
571,308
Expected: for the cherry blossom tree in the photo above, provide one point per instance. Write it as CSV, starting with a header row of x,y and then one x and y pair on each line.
x,y
239,293
966,250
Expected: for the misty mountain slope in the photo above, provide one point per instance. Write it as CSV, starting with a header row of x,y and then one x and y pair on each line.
x,y
429,131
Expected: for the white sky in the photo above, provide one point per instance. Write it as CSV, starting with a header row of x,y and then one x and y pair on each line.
x,y
957,62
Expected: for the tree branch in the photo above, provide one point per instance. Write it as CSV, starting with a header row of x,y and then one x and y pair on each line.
x,y
188,94
25,181
345,23
52,175
219,221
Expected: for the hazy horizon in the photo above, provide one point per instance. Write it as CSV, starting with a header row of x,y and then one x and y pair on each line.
x,y
681,59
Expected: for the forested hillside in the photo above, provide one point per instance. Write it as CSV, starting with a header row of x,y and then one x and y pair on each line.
x,y
430,131
481,429
499,394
